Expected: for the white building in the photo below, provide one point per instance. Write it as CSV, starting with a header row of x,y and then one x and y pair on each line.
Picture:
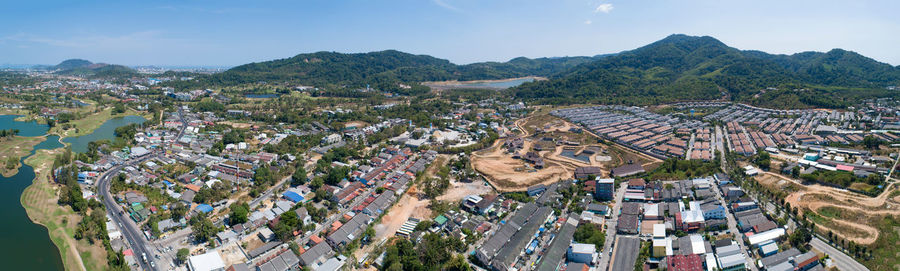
x,y
582,253
211,261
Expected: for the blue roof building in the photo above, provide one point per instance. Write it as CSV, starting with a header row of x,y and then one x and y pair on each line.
x,y
205,208
292,196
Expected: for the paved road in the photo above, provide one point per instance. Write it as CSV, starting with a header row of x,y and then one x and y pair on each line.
x,y
732,225
129,230
611,229
719,142
687,155
841,260
890,175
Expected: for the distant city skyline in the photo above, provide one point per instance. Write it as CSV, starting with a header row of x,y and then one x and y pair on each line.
x,y
230,33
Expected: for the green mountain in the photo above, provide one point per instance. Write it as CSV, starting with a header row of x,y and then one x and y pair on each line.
x,y
384,69
81,67
72,64
682,67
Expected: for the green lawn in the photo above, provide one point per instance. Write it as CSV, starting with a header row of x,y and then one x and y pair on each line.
x,y
91,122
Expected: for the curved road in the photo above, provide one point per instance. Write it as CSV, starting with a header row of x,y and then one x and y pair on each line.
x,y
129,229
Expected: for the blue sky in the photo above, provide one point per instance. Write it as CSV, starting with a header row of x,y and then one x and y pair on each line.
x,y
161,32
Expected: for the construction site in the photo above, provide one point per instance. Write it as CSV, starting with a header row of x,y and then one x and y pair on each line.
x,y
547,150
842,215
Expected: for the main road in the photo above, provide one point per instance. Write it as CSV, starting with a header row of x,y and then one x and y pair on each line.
x,y
139,245
611,229
841,260
129,230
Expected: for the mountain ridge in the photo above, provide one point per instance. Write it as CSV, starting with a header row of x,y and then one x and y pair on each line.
x,y
86,68
681,67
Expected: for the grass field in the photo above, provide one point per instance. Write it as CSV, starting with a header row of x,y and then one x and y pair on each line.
x,y
87,124
39,200
17,147
7,111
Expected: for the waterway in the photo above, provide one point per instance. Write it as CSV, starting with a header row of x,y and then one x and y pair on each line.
x,y
25,245
498,84
106,131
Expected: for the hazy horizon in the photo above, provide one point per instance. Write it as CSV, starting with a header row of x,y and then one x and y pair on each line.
x,y
229,33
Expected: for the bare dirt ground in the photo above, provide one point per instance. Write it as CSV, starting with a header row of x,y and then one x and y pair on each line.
x,y
848,215
357,124
411,204
459,190
252,242
231,254
239,125
508,174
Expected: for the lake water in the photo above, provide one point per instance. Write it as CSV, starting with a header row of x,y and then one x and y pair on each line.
x,y
30,128
261,96
500,84
106,131
25,245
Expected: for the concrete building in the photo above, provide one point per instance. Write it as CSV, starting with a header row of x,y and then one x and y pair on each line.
x,y
211,261
582,253
605,189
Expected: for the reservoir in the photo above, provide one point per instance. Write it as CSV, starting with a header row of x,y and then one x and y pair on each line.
x,y
26,128
481,84
106,131
498,84
26,246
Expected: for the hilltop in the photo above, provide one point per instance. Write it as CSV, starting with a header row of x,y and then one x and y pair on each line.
x,y
81,67
681,67
384,69
676,68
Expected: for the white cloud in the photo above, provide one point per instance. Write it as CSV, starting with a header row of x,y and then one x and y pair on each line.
x,y
141,39
446,5
587,22
605,8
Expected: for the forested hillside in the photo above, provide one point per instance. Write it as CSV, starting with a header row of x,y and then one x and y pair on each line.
x,y
81,67
676,68
682,67
383,70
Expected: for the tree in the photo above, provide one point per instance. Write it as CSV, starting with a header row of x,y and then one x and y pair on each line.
x,y
263,177
590,234
239,213
179,211
299,177
871,142
182,254
203,228
800,238
457,263
119,108
12,163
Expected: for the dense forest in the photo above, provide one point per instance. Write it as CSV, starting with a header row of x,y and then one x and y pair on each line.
x,y
81,67
682,67
383,70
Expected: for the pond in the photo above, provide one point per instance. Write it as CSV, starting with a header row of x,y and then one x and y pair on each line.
x,y
105,131
26,128
261,96
26,246
498,84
